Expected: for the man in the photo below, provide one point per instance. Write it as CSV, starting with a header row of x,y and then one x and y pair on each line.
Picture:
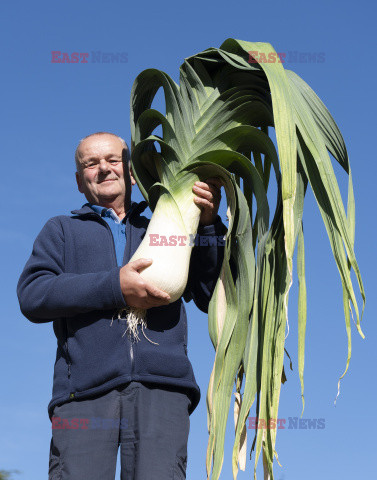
x,y
109,390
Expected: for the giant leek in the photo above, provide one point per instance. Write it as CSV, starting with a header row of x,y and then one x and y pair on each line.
x,y
216,124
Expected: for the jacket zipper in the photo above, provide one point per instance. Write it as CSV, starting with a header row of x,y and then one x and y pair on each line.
x,y
116,263
68,357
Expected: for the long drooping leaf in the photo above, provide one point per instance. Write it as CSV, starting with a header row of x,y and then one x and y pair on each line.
x,y
217,124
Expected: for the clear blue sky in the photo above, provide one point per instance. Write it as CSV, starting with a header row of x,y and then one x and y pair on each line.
x,y
46,108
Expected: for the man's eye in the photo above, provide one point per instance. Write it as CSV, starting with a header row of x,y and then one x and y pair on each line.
x,y
114,161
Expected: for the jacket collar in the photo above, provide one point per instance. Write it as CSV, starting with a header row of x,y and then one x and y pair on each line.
x,y
136,208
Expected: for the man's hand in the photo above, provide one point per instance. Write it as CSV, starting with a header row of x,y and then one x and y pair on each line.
x,y
208,199
136,291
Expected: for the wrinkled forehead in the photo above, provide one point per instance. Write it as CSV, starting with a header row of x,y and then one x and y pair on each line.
x,y
100,146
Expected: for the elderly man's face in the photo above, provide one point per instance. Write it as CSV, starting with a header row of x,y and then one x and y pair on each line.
x,y
102,171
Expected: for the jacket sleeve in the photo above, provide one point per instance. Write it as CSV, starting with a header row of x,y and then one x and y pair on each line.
x,y
205,264
46,292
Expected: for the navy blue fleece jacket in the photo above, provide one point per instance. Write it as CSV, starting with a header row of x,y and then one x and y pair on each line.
x,y
72,279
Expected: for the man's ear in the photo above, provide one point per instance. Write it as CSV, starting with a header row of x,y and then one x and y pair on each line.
x,y
133,181
79,182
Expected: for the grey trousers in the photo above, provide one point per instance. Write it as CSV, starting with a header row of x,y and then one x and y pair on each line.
x,y
150,424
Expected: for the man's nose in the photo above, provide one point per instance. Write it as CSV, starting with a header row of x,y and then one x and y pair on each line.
x,y
104,166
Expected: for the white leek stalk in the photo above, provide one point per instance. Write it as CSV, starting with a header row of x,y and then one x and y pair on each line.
x,y
168,242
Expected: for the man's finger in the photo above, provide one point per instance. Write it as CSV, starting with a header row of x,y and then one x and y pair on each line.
x,y
202,192
156,293
208,185
141,263
203,202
